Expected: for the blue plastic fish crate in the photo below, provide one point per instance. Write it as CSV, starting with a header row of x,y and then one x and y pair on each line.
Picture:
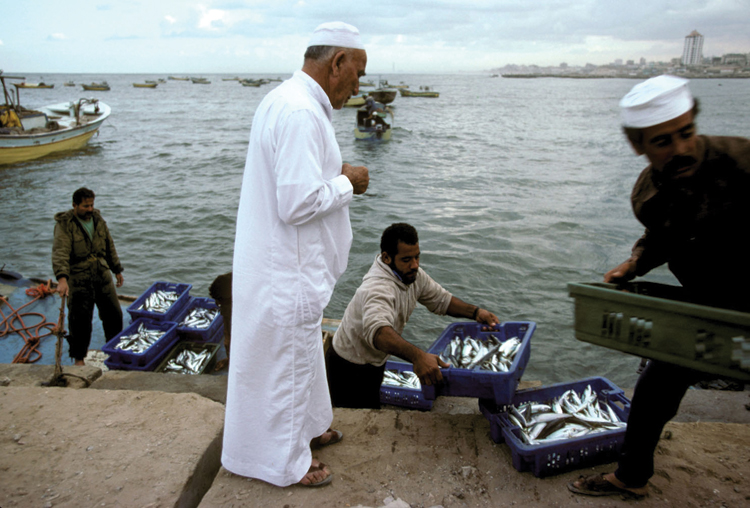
x,y
128,360
192,346
199,334
546,459
181,289
497,386
400,395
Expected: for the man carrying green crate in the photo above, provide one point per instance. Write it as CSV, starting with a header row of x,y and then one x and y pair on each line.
x,y
83,260
371,328
693,201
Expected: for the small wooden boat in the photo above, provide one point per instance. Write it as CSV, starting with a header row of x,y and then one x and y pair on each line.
x,y
145,85
383,95
27,134
33,85
373,127
69,83
426,92
356,101
97,87
250,82
175,78
366,83
200,81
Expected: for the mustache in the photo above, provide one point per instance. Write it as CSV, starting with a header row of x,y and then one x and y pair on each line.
x,y
679,162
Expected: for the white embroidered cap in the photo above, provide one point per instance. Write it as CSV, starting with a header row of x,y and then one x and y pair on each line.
x,y
656,100
336,33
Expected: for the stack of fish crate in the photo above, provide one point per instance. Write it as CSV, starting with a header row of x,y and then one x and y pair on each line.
x,y
153,330
549,429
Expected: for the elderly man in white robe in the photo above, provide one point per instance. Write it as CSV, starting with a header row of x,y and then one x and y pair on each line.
x,y
292,244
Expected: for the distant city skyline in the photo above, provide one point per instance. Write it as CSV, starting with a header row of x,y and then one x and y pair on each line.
x,y
401,36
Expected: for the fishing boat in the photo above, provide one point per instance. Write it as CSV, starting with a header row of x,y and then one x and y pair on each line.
x,y
69,83
144,85
383,93
97,87
33,85
356,101
366,84
27,134
176,78
375,127
250,82
200,81
426,92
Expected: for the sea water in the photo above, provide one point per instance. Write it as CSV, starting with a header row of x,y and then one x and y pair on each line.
x,y
516,187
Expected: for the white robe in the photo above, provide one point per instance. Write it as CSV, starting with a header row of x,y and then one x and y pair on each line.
x,y
292,244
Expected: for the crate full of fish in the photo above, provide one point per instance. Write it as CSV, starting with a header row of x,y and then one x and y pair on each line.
x,y
663,322
199,320
140,344
486,363
190,358
163,301
561,427
401,387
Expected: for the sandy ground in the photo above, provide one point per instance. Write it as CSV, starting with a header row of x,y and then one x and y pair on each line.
x,y
153,440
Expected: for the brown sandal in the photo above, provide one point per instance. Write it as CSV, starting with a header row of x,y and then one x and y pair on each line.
x,y
336,438
313,469
598,485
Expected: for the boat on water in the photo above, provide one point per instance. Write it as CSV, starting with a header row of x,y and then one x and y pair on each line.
x,y
176,78
383,93
356,101
200,81
251,82
373,127
366,84
97,87
422,92
33,85
145,85
69,83
27,134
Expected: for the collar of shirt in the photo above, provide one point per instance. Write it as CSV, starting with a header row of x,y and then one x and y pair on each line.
x,y
316,91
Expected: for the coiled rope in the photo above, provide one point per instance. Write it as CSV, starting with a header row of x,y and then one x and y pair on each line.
x,y
32,334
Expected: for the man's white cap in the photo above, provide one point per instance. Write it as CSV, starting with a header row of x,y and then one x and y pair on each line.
x,y
336,33
656,100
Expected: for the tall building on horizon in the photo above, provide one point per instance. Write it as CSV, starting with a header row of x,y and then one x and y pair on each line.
x,y
692,53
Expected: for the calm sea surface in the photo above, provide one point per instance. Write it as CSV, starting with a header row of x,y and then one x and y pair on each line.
x,y
516,186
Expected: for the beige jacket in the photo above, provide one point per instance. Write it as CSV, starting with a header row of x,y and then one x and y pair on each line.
x,y
383,300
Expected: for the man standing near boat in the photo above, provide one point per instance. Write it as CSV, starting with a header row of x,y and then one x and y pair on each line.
x,y
692,199
292,244
83,260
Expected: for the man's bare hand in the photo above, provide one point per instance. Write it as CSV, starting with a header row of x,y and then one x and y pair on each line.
x,y
358,175
623,273
427,368
62,287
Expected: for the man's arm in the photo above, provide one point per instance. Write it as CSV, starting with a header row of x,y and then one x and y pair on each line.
x,y
647,254
459,308
61,247
426,365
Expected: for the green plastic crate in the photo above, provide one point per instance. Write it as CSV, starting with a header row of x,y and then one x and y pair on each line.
x,y
653,321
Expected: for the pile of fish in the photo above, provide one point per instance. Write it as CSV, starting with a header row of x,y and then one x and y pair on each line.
x,y
200,317
159,301
188,362
476,354
566,417
139,341
403,379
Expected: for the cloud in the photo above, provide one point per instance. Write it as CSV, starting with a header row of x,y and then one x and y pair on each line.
x,y
170,19
57,37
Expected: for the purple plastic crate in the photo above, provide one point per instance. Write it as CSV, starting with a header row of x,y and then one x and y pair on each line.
x,y
183,290
482,384
199,334
400,395
546,459
128,360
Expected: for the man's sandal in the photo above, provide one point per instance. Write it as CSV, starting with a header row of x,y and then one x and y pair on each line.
x,y
314,469
598,485
335,438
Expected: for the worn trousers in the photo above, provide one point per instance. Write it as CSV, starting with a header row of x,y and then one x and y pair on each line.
x,y
353,385
656,399
87,290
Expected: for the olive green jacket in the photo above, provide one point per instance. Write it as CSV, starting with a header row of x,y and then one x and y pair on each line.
x,y
73,252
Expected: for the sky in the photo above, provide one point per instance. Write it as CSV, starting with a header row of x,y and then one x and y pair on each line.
x,y
401,36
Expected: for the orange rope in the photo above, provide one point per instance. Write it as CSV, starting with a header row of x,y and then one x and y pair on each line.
x,y
32,335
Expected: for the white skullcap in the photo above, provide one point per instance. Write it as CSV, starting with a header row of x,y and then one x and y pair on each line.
x,y
656,100
336,33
